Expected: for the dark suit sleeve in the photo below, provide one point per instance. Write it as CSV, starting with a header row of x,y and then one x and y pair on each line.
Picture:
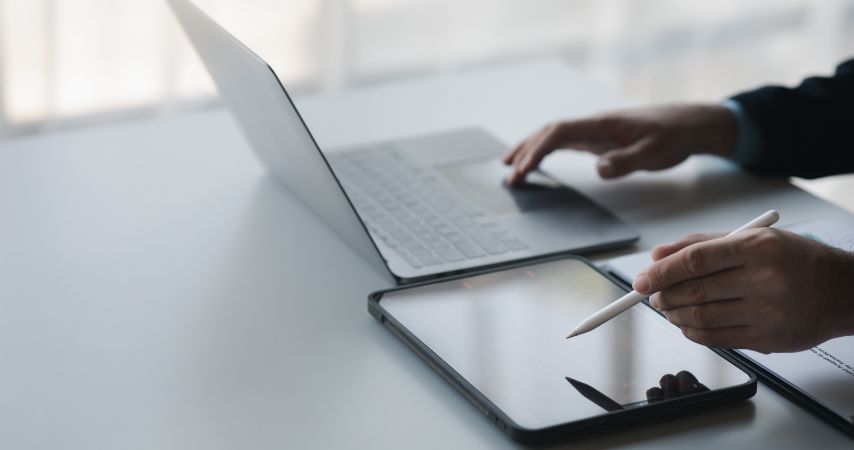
x,y
808,130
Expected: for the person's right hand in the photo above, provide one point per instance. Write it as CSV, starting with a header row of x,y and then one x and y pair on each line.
x,y
651,138
764,289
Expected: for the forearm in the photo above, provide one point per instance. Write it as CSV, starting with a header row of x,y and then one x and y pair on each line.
x,y
806,129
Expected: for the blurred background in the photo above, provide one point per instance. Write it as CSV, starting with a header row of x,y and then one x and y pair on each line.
x,y
71,63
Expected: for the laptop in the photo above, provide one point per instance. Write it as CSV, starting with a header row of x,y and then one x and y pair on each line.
x,y
416,208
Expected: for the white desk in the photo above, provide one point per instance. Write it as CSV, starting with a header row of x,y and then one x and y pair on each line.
x,y
158,291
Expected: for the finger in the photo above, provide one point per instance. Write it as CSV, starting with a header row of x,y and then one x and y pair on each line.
x,y
513,178
731,337
688,383
527,159
517,152
516,175
708,316
693,261
654,394
539,146
519,159
508,157
662,250
590,134
669,385
724,285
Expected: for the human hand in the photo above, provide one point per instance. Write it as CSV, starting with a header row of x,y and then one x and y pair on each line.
x,y
651,138
762,289
673,386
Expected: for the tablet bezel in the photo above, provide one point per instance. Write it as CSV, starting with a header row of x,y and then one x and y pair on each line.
x,y
622,418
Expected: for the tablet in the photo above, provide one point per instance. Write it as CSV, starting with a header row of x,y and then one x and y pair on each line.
x,y
499,337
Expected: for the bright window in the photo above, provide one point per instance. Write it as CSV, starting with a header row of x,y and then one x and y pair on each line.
x,y
76,60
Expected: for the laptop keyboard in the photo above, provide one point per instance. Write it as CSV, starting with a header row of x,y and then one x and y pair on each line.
x,y
413,210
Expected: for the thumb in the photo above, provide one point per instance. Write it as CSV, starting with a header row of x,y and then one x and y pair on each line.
x,y
620,162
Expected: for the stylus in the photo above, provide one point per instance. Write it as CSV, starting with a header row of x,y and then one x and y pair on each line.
x,y
632,298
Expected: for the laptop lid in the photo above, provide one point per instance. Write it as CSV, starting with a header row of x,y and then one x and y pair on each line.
x,y
275,130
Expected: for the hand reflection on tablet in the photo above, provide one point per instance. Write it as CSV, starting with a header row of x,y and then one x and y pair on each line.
x,y
672,386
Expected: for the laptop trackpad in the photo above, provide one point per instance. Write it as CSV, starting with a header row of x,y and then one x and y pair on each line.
x,y
484,182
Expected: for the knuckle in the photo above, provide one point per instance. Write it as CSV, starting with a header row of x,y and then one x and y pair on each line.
x,y
693,261
761,276
743,246
556,128
655,275
607,120
769,277
763,238
693,237
695,291
664,300
655,128
549,137
699,317
777,277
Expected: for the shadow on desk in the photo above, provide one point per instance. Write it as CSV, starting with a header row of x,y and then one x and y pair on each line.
x,y
735,415
653,199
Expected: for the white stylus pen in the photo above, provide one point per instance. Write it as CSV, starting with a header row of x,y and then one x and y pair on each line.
x,y
632,298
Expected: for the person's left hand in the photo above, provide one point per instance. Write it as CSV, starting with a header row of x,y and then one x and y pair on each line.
x,y
764,289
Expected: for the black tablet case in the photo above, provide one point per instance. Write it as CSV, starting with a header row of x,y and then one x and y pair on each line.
x,y
611,420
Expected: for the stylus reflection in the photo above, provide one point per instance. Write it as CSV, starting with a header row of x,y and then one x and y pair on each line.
x,y
594,395
670,386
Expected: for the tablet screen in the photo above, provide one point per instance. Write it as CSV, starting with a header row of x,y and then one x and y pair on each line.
x,y
505,333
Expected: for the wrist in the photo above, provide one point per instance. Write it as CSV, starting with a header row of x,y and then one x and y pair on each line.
x,y
718,132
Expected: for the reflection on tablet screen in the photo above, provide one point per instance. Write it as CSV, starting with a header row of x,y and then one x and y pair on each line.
x,y
504,333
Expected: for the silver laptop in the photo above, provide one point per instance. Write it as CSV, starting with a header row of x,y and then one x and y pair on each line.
x,y
417,208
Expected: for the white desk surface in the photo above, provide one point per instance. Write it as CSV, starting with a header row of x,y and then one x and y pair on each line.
x,y
158,291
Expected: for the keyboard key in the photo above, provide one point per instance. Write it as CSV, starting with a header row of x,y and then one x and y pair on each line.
x,y
449,254
515,244
469,249
410,259
429,260
411,210
492,245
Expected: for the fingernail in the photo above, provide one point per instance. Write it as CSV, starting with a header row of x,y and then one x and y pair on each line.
x,y
605,167
641,283
654,301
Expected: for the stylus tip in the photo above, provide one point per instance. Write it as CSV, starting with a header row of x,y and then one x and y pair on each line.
x,y
574,333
